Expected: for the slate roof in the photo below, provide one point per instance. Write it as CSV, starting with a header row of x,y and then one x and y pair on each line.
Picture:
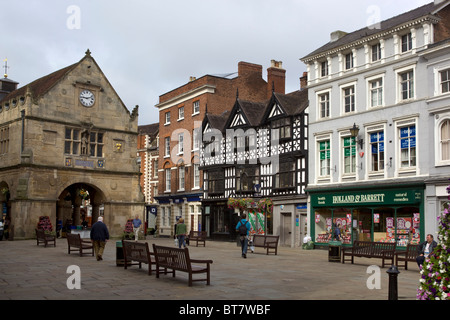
x,y
256,113
217,121
40,86
423,11
149,129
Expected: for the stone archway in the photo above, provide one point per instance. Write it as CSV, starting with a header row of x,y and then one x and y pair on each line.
x,y
78,202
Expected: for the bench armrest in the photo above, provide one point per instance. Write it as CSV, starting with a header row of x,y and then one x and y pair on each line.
x,y
201,261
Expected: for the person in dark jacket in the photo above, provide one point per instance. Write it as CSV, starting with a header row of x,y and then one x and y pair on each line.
x,y
99,237
425,248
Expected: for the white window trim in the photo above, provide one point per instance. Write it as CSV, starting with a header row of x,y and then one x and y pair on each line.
x,y
179,110
318,176
369,80
318,94
368,161
437,80
344,176
342,97
166,123
400,123
437,134
398,72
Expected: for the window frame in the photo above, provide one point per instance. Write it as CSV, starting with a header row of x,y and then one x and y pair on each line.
x,y
325,103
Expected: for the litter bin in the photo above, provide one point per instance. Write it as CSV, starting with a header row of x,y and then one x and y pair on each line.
x,y
334,251
120,261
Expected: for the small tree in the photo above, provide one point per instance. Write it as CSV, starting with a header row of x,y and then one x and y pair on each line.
x,y
435,274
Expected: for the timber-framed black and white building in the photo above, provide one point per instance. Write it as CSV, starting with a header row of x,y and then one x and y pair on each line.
x,y
258,150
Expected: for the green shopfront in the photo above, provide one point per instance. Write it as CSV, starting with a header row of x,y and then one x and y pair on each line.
x,y
384,215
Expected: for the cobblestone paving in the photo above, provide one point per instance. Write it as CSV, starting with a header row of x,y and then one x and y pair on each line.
x,y
31,272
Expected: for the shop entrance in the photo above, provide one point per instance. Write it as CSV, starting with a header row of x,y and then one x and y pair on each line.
x,y
80,204
286,229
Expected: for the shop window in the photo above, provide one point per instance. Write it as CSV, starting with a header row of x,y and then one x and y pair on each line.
x,y
327,221
402,228
342,220
323,225
408,223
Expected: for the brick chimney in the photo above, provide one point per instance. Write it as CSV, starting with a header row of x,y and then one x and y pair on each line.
x,y
304,80
246,69
276,78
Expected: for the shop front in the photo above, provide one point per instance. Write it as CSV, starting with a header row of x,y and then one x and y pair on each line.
x,y
382,215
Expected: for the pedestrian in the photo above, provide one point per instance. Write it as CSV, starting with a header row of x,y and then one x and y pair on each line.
x,y
181,233
243,228
425,248
136,227
99,237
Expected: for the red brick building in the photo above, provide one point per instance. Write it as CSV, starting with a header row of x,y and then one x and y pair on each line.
x,y
181,112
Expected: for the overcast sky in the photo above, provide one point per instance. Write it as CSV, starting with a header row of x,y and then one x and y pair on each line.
x,y
147,48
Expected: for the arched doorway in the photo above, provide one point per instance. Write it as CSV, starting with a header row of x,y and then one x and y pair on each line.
x,y
79,204
5,210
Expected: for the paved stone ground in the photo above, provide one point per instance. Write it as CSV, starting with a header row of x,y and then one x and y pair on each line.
x,y
31,272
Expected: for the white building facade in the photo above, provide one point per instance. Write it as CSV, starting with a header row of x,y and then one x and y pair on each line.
x,y
384,181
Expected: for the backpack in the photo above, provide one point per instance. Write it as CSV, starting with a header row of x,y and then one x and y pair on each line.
x,y
243,229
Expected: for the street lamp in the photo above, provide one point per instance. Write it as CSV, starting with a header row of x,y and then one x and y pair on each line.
x,y
354,131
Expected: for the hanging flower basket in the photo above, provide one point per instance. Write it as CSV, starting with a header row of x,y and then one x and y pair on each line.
x,y
83,194
263,205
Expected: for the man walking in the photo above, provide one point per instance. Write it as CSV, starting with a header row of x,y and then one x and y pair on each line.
x,y
243,228
136,227
99,236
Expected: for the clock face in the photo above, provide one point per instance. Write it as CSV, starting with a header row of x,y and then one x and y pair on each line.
x,y
87,98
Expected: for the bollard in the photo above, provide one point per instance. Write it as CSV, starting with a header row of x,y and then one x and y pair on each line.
x,y
393,283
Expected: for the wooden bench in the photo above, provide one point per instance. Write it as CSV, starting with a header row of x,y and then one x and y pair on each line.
x,y
138,252
410,254
197,236
270,243
80,245
45,238
368,249
176,259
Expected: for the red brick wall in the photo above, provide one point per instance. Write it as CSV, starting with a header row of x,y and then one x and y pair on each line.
x,y
442,29
251,86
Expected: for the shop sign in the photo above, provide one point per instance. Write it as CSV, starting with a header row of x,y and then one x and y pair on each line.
x,y
392,197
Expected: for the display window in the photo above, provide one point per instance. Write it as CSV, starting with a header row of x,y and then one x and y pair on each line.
x,y
399,225
323,225
342,218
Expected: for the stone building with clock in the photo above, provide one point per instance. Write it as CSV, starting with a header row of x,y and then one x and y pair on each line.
x,y
68,148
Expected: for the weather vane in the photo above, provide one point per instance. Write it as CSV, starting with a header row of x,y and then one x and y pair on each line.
x,y
6,68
